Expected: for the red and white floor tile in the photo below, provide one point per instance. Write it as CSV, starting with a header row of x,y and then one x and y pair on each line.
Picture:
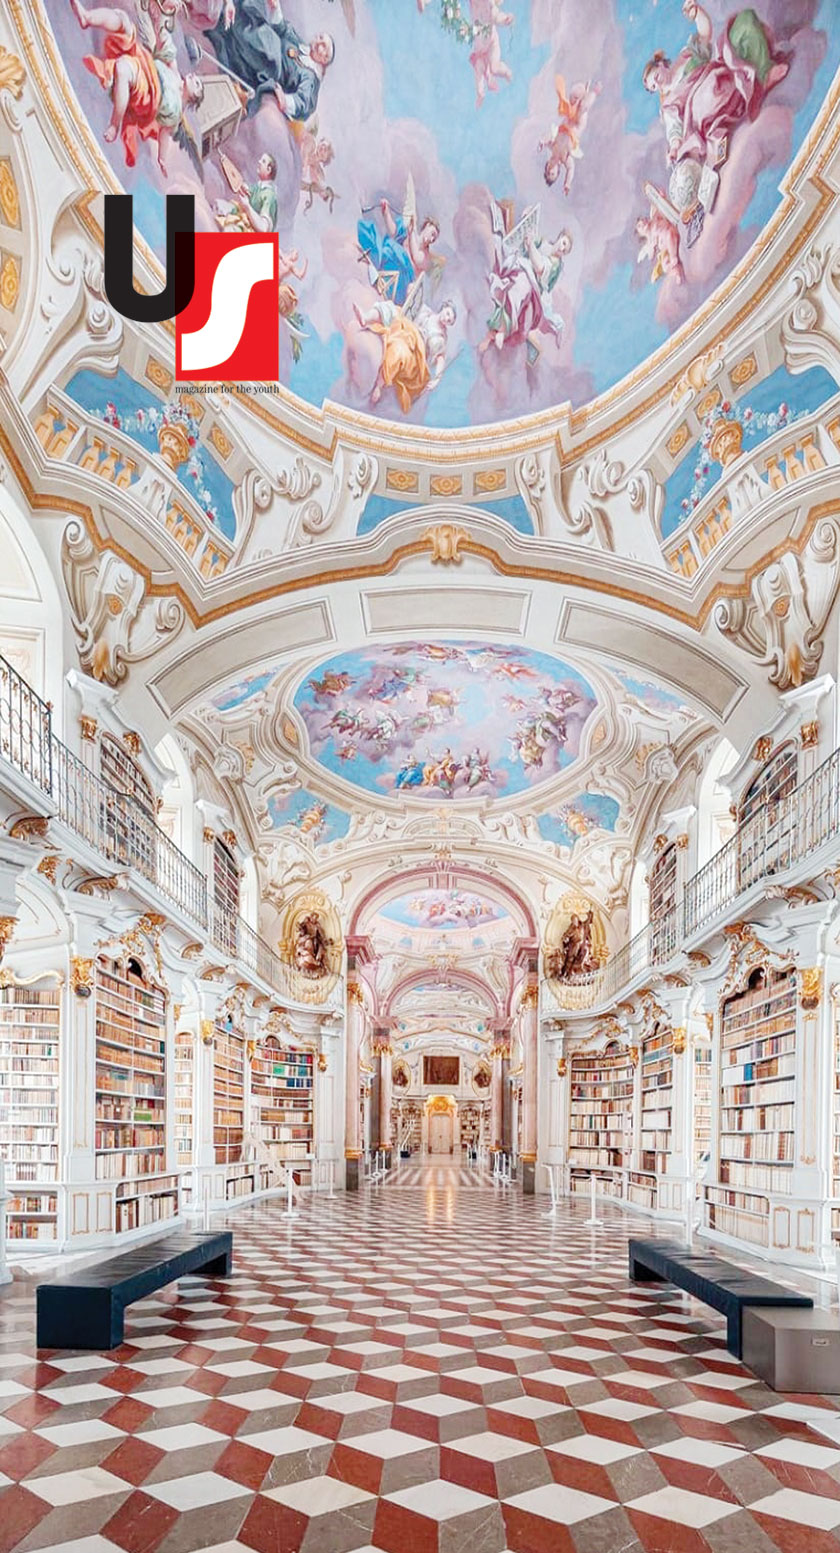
x,y
430,1367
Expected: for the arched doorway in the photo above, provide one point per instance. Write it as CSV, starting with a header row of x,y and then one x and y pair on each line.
x,y
441,1128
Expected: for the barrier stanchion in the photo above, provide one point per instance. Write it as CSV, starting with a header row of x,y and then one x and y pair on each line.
x,y
593,1222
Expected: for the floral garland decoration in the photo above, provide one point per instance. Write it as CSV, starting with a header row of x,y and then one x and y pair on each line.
x,y
458,26
151,421
752,422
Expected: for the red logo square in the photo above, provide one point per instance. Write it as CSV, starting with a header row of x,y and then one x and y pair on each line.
x,y
231,328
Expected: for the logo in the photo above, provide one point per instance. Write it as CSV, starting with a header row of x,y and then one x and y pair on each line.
x,y
222,289
231,327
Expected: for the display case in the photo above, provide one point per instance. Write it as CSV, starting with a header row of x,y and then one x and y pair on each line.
x,y
29,1108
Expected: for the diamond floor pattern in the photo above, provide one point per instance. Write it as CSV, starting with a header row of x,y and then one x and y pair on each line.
x,y
434,1366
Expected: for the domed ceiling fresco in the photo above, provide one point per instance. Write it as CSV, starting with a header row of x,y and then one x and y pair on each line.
x,y
445,911
484,209
445,720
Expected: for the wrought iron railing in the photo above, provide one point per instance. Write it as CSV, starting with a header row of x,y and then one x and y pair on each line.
x,y
122,831
780,835
25,728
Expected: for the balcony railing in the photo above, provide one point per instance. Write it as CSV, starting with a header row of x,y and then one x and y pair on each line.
x,y
117,828
25,729
782,835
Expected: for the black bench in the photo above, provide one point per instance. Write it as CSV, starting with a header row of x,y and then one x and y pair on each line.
x,y
717,1283
86,1309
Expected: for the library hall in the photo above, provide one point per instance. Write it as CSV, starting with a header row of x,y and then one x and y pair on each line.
x,y
419,776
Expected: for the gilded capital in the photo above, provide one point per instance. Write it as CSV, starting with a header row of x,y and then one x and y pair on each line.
x,y
132,742
208,1032
209,835
679,1034
88,726
809,733
354,993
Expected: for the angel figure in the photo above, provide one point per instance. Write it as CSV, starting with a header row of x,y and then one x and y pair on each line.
x,y
291,265
403,252
316,153
414,340
149,96
660,235
563,141
486,58
526,268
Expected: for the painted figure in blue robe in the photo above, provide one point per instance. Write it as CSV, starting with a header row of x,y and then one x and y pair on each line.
x,y
398,255
254,41
411,774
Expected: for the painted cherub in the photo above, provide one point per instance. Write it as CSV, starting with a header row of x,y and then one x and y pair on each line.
x,y
316,153
660,237
563,141
149,96
486,59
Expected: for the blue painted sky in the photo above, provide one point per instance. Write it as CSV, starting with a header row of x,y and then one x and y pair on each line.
x,y
315,820
399,105
586,813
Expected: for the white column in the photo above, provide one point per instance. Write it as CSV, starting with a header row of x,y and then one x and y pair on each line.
x,y
352,1128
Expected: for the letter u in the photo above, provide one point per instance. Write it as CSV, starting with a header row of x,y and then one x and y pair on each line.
x,y
119,260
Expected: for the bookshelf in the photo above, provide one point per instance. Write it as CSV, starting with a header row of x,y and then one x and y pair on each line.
x,y
655,1132
130,1131
757,1102
29,1109
702,1103
184,1097
835,1125
282,1090
765,847
663,900
228,1096
600,1116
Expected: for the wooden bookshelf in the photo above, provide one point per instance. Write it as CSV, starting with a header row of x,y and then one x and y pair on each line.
x,y
29,1109
757,1098
130,1132
282,1090
702,1103
228,1095
657,1100
766,847
601,1113
184,1097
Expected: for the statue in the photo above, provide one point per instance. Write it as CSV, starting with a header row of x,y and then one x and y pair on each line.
x,y
310,947
576,956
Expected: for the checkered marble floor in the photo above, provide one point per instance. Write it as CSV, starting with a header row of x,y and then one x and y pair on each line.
x,y
425,1369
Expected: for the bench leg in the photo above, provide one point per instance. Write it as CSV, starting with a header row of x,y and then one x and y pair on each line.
x,y
218,1267
733,1332
639,1273
79,1318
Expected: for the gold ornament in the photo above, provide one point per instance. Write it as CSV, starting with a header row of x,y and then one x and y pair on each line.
x,y
12,74
81,977
132,742
354,993
9,198
7,927
810,987
445,540
762,749
561,1067
47,867
809,733
208,1032
322,1062
88,726
9,283
209,835
679,1040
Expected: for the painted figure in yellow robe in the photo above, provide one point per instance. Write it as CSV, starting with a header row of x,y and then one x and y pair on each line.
x,y
413,349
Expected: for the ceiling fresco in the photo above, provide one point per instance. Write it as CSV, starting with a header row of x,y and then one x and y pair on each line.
x,y
444,911
314,820
517,220
585,814
445,720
